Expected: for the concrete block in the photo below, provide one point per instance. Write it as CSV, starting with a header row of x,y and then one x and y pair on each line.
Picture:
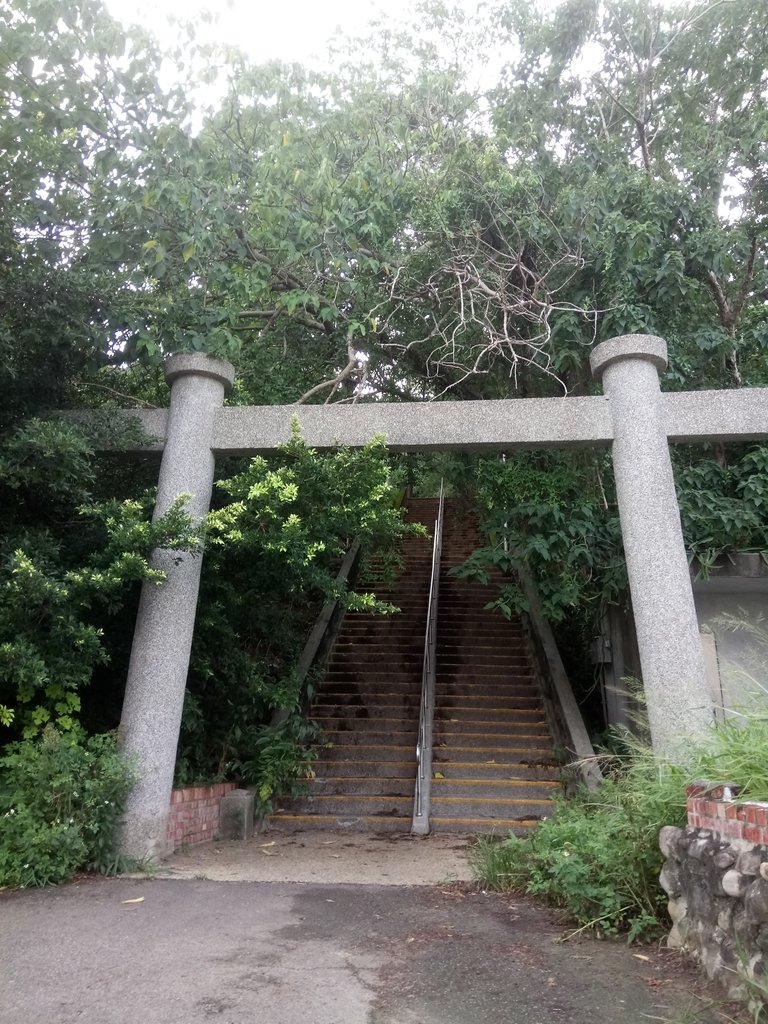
x,y
236,815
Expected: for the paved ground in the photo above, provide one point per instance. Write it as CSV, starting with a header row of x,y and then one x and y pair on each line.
x,y
170,951
383,858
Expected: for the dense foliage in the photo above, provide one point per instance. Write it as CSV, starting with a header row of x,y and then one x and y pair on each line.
x,y
67,564
386,230
598,855
274,546
61,801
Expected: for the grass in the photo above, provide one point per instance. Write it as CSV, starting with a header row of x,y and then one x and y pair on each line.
x,y
597,856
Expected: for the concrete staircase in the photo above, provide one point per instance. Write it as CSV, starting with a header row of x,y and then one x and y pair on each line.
x,y
493,765
368,705
493,768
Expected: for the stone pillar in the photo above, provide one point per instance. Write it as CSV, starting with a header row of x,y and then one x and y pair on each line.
x,y
157,674
671,655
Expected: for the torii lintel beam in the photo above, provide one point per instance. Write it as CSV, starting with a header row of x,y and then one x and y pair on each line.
x,y
503,425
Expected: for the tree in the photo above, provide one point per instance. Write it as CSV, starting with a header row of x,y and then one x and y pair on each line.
x,y
387,230
649,124
81,98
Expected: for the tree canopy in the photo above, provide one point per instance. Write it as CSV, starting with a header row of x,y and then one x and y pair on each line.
x,y
386,230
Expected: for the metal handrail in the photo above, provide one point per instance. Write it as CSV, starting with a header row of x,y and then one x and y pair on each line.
x,y
423,791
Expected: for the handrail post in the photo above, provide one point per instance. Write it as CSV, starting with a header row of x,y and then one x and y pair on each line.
x,y
423,790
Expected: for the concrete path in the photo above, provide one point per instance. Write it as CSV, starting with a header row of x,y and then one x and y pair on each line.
x,y
168,951
360,858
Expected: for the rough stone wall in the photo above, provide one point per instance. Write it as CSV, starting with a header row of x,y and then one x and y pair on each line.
x,y
716,876
194,816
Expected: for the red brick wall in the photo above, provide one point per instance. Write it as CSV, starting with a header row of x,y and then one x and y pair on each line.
x,y
194,816
709,807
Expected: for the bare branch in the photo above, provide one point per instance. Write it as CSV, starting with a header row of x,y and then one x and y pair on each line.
x,y
721,301
117,394
347,372
746,284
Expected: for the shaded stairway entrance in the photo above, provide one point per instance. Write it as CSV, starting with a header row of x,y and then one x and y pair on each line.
x,y
492,761
493,766
368,705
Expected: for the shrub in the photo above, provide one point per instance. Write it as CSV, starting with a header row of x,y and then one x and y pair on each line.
x,y
281,761
598,856
61,801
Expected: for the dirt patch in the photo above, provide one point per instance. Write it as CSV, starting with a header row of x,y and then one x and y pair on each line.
x,y
332,857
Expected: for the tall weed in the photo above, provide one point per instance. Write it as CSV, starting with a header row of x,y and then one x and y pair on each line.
x,y
598,856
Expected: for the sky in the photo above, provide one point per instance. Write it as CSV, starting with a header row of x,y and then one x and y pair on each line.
x,y
265,29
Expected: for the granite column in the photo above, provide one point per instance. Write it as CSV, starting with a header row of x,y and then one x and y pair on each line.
x,y
671,655
157,674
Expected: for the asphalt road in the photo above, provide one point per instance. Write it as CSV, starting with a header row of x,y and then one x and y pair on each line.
x,y
193,952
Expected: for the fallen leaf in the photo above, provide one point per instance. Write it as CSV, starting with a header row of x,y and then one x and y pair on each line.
x,y
439,775
138,899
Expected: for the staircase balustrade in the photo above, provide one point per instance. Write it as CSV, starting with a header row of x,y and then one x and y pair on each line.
x,y
324,631
562,710
421,800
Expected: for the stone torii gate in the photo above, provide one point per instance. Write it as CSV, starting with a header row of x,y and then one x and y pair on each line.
x,y
633,417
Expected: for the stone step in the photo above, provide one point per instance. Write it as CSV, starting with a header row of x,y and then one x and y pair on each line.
x,y
388,629
332,724
373,737
489,685
363,674
357,805
357,768
407,699
364,654
470,749
477,658
496,769
490,713
452,642
482,789
490,809
379,645
473,632
365,785
483,673
373,689
406,710
514,691
480,701
483,826
415,586
370,752
447,728
283,820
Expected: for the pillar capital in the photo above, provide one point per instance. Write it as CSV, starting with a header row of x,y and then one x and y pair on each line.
x,y
197,364
648,347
